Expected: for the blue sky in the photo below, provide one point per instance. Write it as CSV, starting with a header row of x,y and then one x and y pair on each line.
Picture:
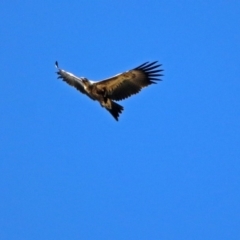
x,y
169,169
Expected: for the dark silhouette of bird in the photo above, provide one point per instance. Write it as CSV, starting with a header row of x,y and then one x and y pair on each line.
x,y
115,88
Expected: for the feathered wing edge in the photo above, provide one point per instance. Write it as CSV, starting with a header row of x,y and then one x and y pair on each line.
x,y
131,82
151,70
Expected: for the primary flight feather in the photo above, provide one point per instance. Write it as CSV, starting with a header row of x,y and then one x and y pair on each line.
x,y
115,88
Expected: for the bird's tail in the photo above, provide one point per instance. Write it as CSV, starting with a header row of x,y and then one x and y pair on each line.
x,y
115,110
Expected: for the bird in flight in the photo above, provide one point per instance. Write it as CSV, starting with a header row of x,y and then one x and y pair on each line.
x,y
115,88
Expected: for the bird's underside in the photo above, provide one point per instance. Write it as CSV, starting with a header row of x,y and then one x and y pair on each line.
x,y
116,88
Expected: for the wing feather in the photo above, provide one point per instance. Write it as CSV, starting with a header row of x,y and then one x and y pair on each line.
x,y
131,82
71,80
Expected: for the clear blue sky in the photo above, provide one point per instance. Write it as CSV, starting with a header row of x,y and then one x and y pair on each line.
x,y
169,169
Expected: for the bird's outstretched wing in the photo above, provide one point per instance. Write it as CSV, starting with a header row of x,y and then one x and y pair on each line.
x,y
131,82
70,79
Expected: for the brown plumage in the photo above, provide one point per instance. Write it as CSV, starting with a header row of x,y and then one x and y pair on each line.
x,y
117,87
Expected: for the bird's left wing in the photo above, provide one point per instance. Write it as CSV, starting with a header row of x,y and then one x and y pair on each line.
x,y
131,82
70,79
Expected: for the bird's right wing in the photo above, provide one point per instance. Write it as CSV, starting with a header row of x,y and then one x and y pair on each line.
x,y
131,82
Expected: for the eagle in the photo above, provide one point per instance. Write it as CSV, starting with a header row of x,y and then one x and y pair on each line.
x,y
116,88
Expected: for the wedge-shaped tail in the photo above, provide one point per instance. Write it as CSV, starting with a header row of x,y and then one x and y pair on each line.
x,y
116,110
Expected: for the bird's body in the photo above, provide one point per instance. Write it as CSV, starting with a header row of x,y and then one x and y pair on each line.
x,y
115,88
